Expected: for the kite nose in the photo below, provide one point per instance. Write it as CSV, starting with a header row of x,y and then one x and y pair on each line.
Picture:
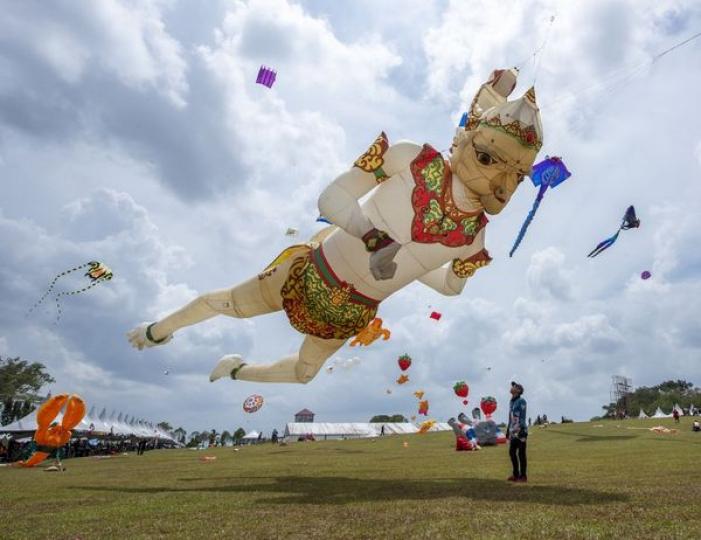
x,y
500,194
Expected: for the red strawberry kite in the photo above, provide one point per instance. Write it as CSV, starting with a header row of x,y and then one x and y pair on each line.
x,y
404,362
488,405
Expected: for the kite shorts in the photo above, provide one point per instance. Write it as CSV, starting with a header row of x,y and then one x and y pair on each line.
x,y
316,301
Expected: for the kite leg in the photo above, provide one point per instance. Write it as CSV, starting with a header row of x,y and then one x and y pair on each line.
x,y
257,296
300,367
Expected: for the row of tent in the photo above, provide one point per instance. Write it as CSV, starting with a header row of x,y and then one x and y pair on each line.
x,y
353,430
98,425
659,413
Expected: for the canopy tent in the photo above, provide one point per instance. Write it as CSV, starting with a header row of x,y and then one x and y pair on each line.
x,y
353,430
642,414
678,409
93,425
660,414
251,435
28,423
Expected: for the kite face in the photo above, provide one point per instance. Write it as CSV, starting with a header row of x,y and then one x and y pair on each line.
x,y
493,159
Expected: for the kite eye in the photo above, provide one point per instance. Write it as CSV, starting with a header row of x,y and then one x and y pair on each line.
x,y
520,178
484,158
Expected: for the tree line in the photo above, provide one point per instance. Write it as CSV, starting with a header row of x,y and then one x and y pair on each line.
x,y
648,398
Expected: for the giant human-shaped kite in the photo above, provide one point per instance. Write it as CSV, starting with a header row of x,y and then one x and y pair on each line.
x,y
424,219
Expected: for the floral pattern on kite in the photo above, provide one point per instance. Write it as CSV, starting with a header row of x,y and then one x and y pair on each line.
x,y
317,303
437,219
372,160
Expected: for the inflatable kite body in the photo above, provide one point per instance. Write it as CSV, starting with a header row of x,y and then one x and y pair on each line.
x,y
423,218
51,435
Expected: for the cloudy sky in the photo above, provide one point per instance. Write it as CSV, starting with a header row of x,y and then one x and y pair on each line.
x,y
133,132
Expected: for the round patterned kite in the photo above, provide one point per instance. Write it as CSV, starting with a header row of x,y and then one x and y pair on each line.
x,y
253,403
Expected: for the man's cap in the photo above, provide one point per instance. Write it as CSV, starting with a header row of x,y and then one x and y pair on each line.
x,y
518,386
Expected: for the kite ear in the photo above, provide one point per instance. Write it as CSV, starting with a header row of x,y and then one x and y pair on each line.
x,y
75,411
49,410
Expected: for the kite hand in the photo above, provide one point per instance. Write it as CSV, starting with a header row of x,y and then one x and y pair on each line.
x,y
382,265
140,337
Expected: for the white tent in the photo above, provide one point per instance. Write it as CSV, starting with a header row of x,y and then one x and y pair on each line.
x,y
28,423
251,437
353,430
642,414
692,410
660,414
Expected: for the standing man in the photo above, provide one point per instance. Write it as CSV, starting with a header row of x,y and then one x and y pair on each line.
x,y
517,433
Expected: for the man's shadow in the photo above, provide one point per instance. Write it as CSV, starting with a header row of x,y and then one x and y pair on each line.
x,y
341,490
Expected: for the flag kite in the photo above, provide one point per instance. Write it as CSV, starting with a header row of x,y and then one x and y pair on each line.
x,y
630,221
549,173
436,316
266,76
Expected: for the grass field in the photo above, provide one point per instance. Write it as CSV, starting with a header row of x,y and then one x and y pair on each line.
x,y
584,482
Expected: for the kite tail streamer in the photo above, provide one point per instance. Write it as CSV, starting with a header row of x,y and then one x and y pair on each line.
x,y
71,293
603,246
53,284
529,218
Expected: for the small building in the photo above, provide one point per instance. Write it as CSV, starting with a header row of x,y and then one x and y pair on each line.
x,y
304,416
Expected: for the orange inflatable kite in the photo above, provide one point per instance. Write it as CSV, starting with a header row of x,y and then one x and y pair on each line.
x,y
51,435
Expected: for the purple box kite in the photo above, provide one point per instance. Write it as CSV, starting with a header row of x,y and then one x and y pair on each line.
x,y
266,76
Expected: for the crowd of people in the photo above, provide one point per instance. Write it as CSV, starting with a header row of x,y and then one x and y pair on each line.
x,y
13,449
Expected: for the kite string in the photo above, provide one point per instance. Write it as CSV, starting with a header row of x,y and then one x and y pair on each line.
x,y
625,73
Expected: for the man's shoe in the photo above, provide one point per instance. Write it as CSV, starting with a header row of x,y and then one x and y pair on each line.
x,y
512,479
523,478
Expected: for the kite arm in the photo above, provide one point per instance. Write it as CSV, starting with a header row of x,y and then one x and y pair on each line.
x,y
339,201
450,279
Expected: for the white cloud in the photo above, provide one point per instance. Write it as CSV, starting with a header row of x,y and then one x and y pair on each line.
x,y
547,275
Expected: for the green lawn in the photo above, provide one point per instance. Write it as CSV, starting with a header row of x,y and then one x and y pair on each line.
x,y
585,482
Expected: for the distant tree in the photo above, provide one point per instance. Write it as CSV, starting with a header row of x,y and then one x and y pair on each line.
x,y
7,412
225,437
180,435
397,418
239,434
19,377
165,426
664,396
195,436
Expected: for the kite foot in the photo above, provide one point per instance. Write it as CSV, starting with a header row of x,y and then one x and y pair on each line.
x,y
140,337
464,419
227,366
